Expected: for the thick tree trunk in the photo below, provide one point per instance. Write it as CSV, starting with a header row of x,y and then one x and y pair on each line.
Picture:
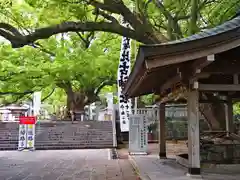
x,y
214,115
75,103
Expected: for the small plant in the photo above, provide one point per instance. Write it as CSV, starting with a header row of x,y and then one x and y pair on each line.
x,y
152,127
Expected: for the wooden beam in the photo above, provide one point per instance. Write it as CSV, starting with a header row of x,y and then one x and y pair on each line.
x,y
235,79
218,87
212,101
170,83
173,96
223,65
198,65
199,76
193,71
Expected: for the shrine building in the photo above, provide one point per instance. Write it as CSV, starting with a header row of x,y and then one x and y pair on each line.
x,y
187,70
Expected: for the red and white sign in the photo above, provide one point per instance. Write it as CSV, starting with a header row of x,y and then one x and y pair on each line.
x,y
27,120
26,132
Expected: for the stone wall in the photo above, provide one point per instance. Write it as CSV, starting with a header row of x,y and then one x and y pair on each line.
x,y
220,153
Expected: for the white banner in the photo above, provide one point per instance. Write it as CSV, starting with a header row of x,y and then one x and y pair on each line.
x,y
30,135
26,136
124,69
22,143
36,103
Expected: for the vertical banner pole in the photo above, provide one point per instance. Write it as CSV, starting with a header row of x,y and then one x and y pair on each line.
x,y
36,103
123,73
135,105
111,113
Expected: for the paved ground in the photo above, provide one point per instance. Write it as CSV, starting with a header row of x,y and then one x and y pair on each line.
x,y
172,148
152,168
63,165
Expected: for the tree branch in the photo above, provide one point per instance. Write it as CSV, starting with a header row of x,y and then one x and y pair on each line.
x,y
182,17
173,26
136,22
70,26
105,15
16,93
10,29
41,48
84,40
103,84
204,3
46,97
162,8
67,86
108,5
194,17
14,101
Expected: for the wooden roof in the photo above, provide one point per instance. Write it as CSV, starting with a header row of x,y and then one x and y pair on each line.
x,y
156,64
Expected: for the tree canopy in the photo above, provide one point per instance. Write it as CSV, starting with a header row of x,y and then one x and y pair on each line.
x,y
152,21
27,69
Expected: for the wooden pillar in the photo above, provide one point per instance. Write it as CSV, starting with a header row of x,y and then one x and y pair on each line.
x,y
162,136
193,133
229,151
230,116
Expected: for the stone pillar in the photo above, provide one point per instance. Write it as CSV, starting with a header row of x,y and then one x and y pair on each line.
x,y
161,132
193,133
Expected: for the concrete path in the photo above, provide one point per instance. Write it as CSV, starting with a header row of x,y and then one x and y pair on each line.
x,y
152,168
63,165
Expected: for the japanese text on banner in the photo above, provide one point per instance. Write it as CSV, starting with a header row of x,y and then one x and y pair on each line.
x,y
22,136
123,73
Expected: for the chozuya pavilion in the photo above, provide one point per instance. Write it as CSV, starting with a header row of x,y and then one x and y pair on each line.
x,y
187,70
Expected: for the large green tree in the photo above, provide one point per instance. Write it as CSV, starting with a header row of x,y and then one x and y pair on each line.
x,y
81,72
152,21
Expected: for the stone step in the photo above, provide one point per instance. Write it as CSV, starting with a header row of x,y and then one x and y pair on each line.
x,y
59,139
71,147
9,142
73,143
62,135
60,146
14,136
77,133
8,148
15,146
